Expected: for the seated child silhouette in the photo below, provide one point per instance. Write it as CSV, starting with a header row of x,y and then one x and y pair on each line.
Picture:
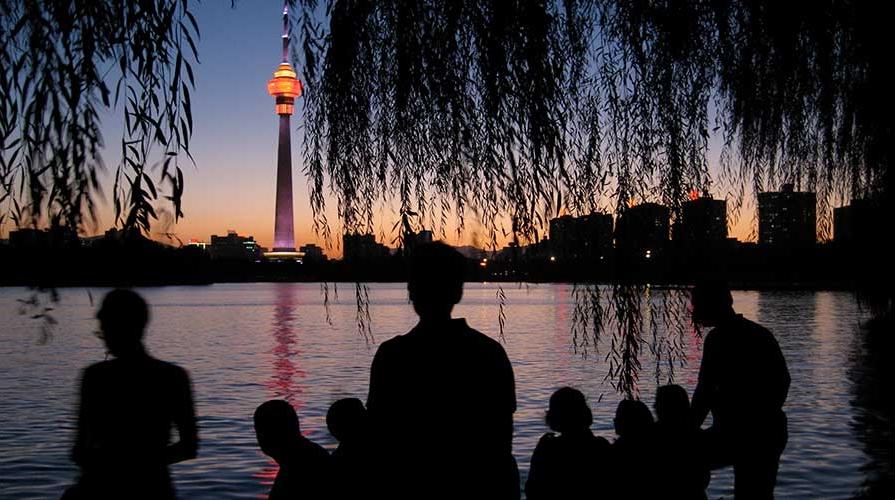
x,y
634,461
684,472
567,461
304,465
347,422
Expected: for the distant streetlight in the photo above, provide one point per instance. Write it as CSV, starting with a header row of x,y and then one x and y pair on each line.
x,y
552,259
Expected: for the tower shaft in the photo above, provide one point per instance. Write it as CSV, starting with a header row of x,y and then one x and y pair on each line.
x,y
284,232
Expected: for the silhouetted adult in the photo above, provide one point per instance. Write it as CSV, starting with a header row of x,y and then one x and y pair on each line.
x,y
634,452
348,423
305,466
743,381
568,465
683,470
128,406
442,396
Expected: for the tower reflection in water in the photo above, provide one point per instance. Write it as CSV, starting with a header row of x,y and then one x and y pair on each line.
x,y
285,381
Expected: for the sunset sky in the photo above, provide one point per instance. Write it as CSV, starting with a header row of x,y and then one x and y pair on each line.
x,y
235,134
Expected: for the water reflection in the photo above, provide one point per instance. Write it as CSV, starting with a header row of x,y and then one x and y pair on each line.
x,y
872,374
285,381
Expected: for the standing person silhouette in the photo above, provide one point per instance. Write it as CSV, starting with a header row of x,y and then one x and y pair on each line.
x,y
743,382
442,396
128,406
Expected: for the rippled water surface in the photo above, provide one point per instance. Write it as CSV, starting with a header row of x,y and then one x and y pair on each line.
x,y
246,343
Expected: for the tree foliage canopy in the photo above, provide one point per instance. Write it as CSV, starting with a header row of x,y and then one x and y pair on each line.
x,y
63,63
522,109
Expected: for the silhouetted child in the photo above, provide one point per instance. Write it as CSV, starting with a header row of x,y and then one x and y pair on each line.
x,y
683,465
347,422
128,406
564,465
634,459
304,465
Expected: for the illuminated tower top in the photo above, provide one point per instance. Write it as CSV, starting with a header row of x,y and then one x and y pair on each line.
x,y
285,85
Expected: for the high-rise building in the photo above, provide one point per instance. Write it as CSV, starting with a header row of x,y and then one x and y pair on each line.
x,y
852,223
642,230
425,236
787,218
362,248
588,237
312,253
234,247
285,87
703,220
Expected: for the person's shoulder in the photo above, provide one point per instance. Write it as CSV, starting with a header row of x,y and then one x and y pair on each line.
x,y
754,328
711,337
547,442
483,341
168,370
97,369
315,450
392,346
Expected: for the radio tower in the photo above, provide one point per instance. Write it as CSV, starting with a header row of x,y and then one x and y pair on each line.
x,y
285,87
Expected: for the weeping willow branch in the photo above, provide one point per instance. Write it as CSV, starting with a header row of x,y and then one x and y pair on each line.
x,y
63,65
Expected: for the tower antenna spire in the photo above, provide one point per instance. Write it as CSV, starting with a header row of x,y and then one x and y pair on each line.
x,y
285,31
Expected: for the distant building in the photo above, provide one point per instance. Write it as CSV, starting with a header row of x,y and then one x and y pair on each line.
x,y
234,247
424,236
198,244
588,237
703,221
362,248
312,253
33,239
642,230
852,222
787,217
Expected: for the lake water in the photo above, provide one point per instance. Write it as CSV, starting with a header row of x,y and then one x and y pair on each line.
x,y
246,343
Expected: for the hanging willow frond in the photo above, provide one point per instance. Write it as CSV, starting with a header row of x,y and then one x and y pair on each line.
x,y
62,64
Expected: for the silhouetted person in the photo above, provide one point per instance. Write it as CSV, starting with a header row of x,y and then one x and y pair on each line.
x,y
348,423
442,396
304,465
743,381
128,407
683,470
565,466
634,452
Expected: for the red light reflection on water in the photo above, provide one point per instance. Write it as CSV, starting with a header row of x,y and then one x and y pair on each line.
x,y
285,379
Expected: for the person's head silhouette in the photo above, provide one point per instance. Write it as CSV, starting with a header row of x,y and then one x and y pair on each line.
x,y
435,283
672,405
122,317
712,303
276,427
568,411
347,419
632,418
